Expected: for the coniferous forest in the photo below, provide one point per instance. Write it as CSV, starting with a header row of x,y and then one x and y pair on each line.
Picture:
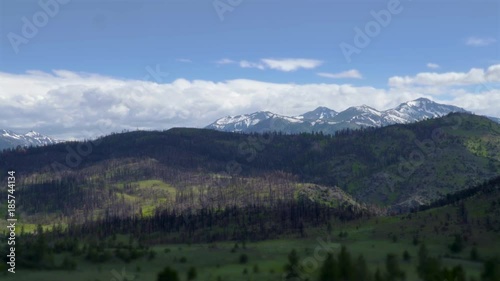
x,y
190,204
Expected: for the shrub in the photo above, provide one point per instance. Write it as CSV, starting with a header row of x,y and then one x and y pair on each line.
x,y
168,274
243,258
191,275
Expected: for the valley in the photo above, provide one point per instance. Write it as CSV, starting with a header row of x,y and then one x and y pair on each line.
x,y
375,191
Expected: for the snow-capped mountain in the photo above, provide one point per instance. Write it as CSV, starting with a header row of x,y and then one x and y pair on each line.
x,y
242,123
361,116
329,121
417,110
10,139
318,115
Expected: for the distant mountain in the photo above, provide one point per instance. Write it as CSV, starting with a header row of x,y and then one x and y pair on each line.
x,y
398,167
328,120
10,139
320,114
495,119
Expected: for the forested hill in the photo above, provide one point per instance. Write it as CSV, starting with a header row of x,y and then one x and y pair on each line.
x,y
398,165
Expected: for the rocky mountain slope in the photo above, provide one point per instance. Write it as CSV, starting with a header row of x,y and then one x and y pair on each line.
x,y
329,121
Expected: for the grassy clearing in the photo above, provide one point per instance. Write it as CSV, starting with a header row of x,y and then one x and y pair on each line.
x,y
266,259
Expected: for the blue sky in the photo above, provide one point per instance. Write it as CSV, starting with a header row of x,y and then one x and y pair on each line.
x,y
124,40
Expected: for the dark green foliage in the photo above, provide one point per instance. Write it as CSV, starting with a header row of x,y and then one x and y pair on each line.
x,y
329,269
428,268
343,234
346,269
406,256
292,269
491,270
393,272
168,274
378,275
191,275
457,245
243,258
474,255
455,274
415,240
68,264
361,271
151,255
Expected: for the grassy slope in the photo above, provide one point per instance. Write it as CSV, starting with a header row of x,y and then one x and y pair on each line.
x,y
370,237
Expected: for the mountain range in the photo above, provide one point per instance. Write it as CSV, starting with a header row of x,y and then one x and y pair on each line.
x,y
397,167
322,119
329,121
10,139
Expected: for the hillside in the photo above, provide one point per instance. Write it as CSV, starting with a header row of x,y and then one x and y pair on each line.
x,y
399,166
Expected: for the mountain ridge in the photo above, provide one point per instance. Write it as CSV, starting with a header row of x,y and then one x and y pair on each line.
x,y
374,165
329,121
11,139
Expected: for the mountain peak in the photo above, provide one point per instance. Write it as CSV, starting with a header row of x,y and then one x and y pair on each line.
x,y
323,108
32,134
419,102
423,99
327,120
9,139
321,113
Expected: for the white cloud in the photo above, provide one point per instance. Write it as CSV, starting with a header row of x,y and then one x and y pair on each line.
x,y
286,65
353,73
68,104
291,64
225,61
184,60
472,77
248,64
432,65
479,42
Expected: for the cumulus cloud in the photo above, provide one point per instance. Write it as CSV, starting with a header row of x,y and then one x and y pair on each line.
x,y
67,104
479,41
286,65
353,73
472,77
291,64
432,65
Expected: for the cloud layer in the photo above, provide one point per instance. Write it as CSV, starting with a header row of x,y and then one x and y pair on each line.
x,y
67,104
286,65
353,73
479,42
473,76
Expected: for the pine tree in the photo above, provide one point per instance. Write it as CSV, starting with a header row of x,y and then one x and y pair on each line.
x,y
329,270
345,264
168,274
292,268
392,267
191,275
362,272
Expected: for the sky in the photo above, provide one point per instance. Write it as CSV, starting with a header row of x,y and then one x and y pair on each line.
x,y
77,69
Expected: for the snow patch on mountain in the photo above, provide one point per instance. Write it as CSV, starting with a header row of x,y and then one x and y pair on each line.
x,y
323,118
10,139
